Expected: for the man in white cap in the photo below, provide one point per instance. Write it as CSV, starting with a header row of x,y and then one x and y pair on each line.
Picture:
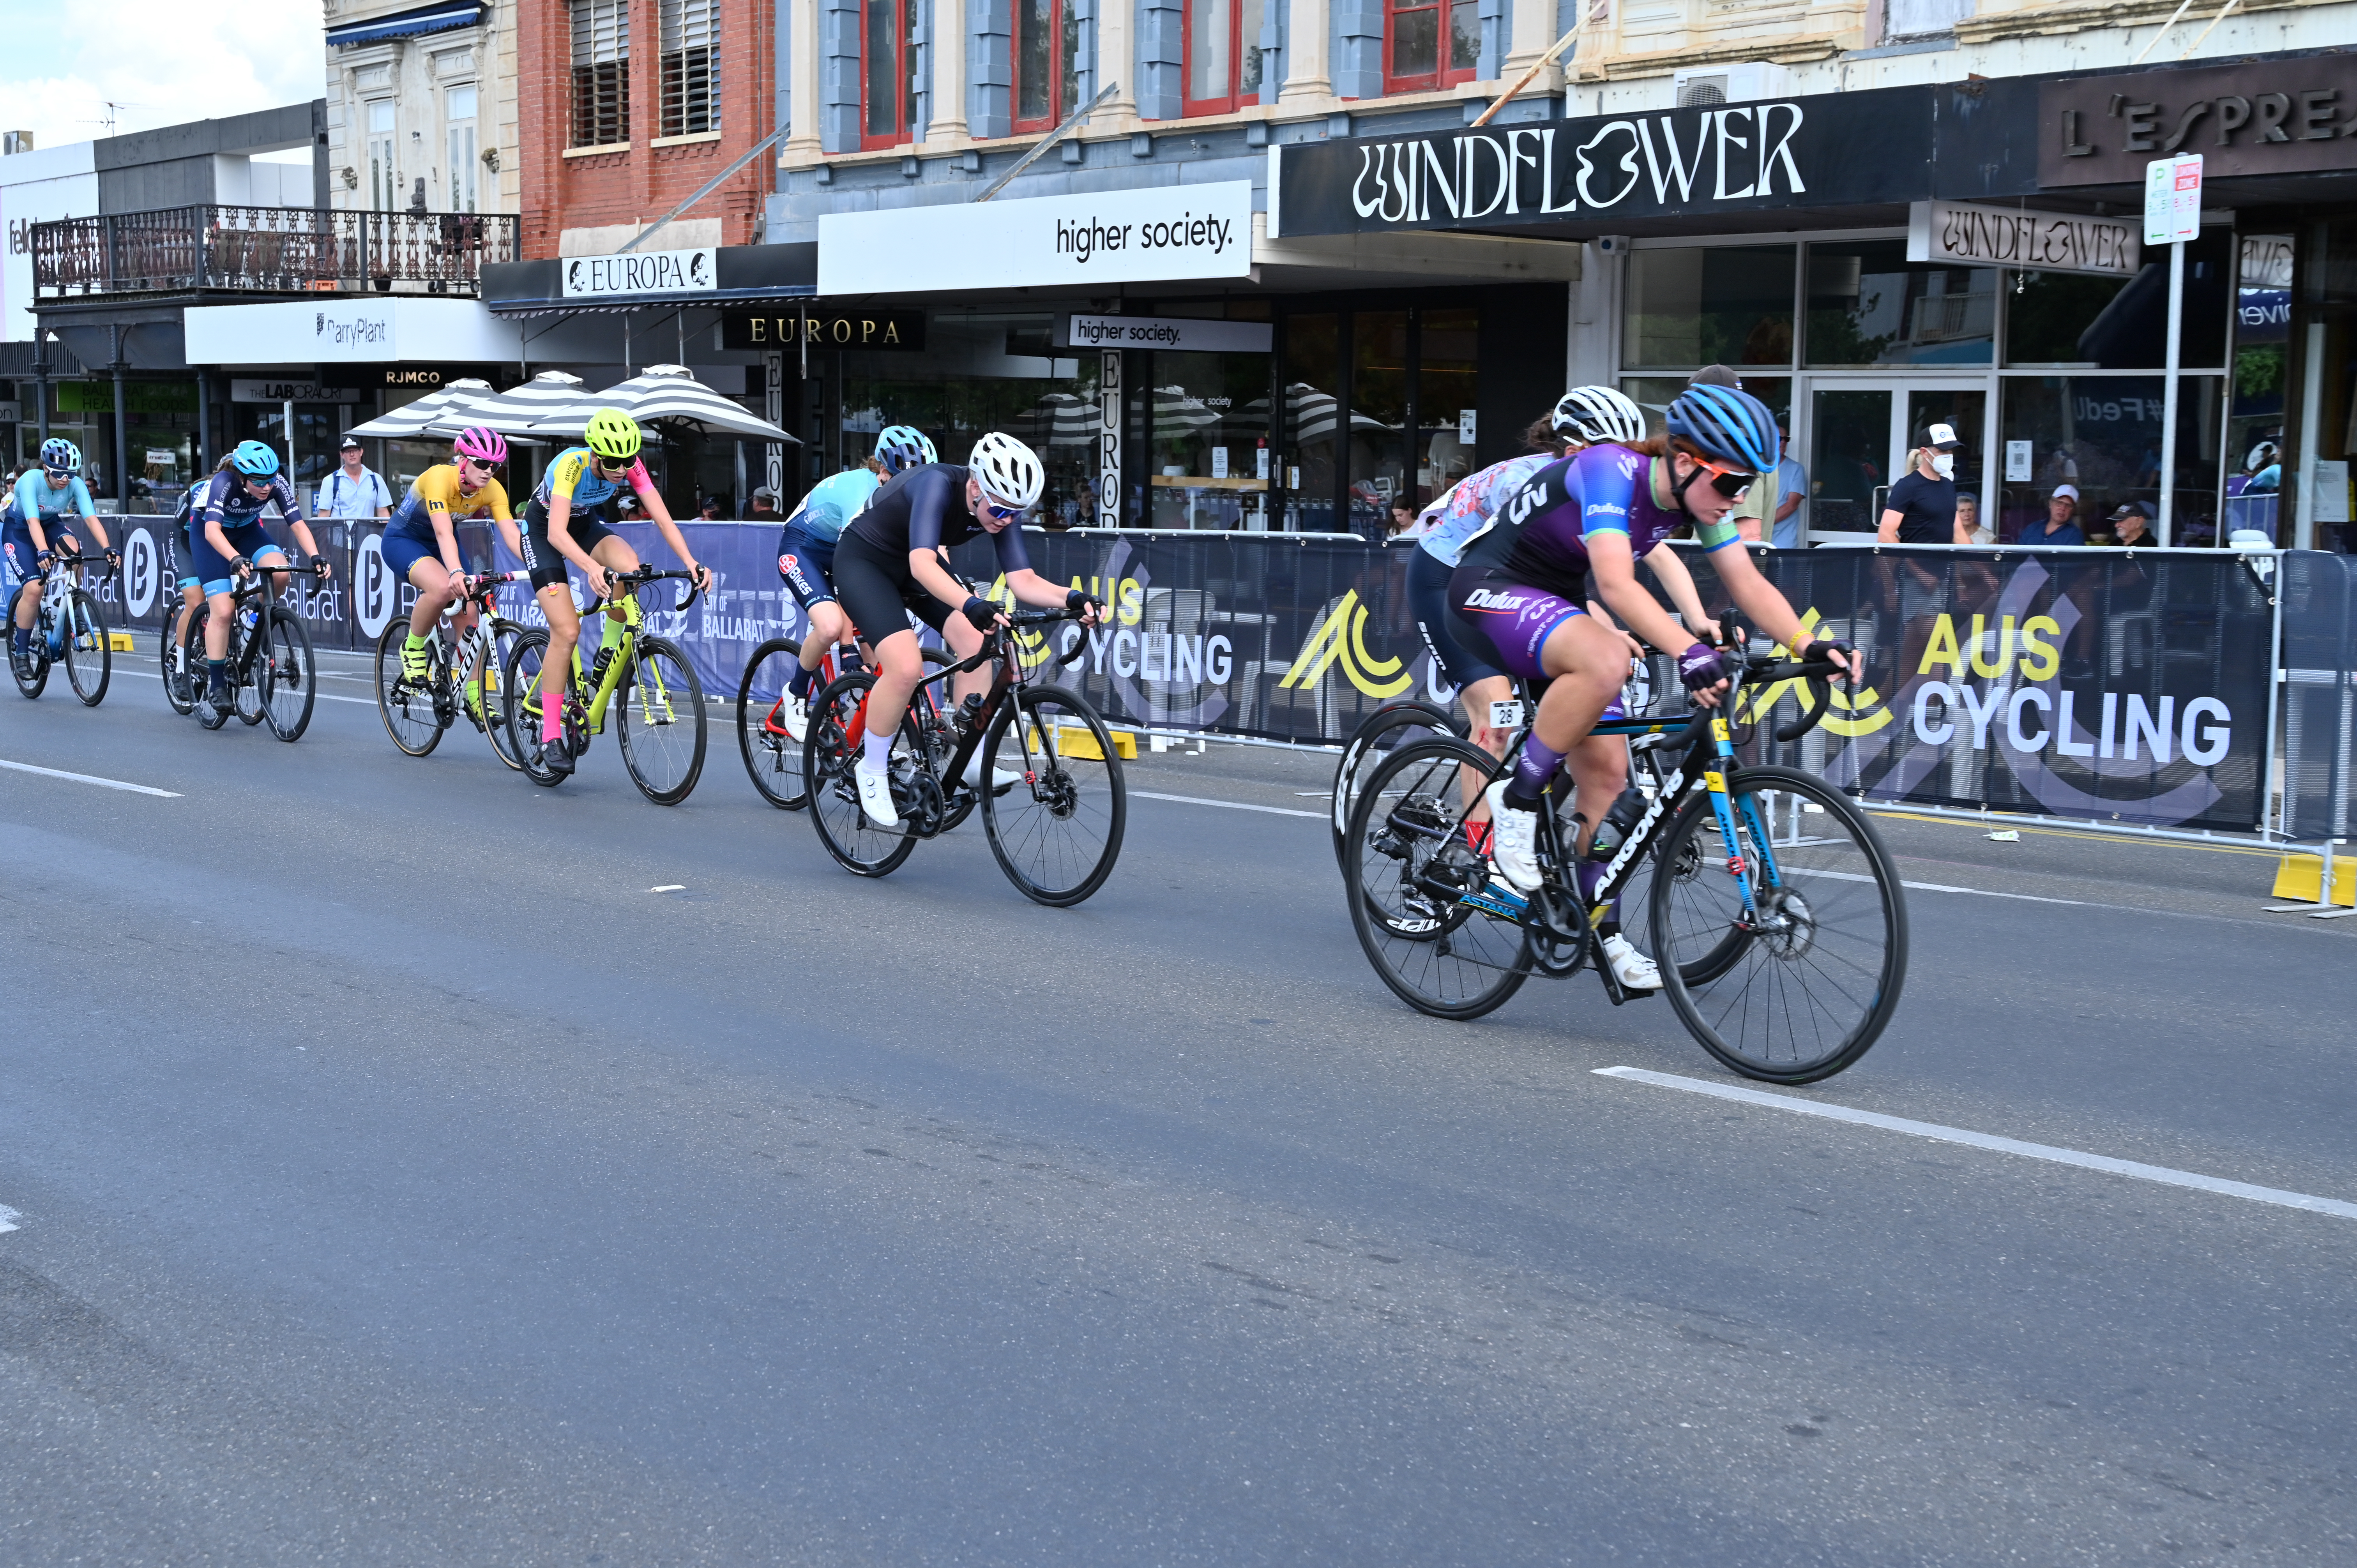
x,y
2059,526
1921,507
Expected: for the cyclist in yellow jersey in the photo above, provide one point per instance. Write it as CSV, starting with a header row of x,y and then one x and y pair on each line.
x,y
421,546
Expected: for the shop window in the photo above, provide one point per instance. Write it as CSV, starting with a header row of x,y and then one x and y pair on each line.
x,y
459,124
2069,321
1868,305
1379,418
1047,63
2102,434
1222,55
1722,304
690,66
2255,420
888,82
601,72
1447,349
1313,418
1210,462
1430,44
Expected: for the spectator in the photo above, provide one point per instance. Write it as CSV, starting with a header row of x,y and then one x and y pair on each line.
x,y
765,505
354,490
2060,525
1792,489
1403,519
1715,376
714,509
1921,507
1968,518
2132,525
2265,467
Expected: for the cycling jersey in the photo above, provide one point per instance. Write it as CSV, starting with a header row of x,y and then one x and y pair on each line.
x,y
228,503
1469,502
36,498
1539,536
924,507
834,502
438,491
575,476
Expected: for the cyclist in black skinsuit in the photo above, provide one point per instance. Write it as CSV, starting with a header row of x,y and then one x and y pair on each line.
x,y
889,567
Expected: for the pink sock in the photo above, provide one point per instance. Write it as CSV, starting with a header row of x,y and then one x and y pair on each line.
x,y
552,718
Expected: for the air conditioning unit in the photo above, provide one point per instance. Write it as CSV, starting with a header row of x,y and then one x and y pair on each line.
x,y
15,142
1740,84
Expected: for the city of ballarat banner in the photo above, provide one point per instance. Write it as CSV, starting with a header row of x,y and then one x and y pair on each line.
x,y
1821,151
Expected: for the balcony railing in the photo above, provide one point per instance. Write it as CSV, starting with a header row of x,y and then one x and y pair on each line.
x,y
268,250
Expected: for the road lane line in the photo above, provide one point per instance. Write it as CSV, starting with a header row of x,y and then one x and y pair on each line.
x,y
1932,1130
1231,805
323,697
91,778
1944,887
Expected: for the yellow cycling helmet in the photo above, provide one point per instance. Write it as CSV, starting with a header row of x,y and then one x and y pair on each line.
x,y
612,434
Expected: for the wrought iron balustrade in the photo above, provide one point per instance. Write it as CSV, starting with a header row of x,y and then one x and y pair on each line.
x,y
268,250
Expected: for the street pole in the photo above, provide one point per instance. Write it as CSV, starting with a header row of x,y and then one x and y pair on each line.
x,y
2168,396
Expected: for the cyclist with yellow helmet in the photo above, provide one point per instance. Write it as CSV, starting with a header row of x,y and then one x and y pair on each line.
x,y
565,522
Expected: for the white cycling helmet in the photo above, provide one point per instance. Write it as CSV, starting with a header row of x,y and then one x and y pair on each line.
x,y
1009,471
1594,413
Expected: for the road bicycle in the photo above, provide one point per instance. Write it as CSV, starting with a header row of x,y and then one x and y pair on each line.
x,y
1785,957
271,673
415,714
1056,830
773,757
183,679
645,681
69,628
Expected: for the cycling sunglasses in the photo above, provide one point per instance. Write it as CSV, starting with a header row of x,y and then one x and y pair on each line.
x,y
59,476
485,464
1003,513
1732,483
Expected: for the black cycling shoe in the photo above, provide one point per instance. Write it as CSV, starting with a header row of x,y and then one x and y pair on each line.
x,y
556,756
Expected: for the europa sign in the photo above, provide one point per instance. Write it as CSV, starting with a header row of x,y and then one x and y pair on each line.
x,y
874,330
1966,235
641,271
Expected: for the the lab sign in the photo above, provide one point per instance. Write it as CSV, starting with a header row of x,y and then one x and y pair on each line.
x,y
242,390
1966,235
1176,334
1164,234
647,271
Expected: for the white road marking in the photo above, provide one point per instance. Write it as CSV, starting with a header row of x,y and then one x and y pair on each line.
x,y
669,887
1231,805
8,1218
1932,1130
1944,887
91,778
323,697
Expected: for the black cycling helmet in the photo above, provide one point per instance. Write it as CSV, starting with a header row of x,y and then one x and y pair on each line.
x,y
1727,426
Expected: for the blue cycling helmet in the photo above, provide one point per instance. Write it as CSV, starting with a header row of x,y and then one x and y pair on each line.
x,y
254,459
899,446
59,456
1727,426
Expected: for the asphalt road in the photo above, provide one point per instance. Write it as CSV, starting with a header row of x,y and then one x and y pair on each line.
x,y
397,1179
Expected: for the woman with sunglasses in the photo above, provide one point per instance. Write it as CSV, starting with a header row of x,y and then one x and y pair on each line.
x,y
1578,528
227,541
888,566
564,522
421,544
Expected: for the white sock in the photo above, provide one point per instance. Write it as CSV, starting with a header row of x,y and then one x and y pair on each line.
x,y
880,752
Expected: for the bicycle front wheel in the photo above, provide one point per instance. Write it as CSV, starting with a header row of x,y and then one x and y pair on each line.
x,y
1057,830
498,641
1796,982
773,759
90,663
1409,875
831,748
660,703
1386,727
285,676
407,709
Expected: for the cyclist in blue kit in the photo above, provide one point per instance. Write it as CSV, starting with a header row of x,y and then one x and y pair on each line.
x,y
46,499
1576,528
227,541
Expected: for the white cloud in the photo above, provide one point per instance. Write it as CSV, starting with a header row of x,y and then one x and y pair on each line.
x,y
164,62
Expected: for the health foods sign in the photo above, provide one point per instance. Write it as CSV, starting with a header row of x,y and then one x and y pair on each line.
x,y
1165,234
1831,150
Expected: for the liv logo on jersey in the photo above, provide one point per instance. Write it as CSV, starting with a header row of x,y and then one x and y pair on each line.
x,y
1342,636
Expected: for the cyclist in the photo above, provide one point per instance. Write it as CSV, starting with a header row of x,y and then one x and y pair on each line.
x,y
565,522
421,546
50,496
887,567
1578,526
806,553
192,587
228,541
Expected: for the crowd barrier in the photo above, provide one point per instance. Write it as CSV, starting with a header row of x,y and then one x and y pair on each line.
x,y
2121,686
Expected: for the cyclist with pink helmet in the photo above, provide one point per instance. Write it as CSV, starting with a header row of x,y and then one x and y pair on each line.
x,y
421,543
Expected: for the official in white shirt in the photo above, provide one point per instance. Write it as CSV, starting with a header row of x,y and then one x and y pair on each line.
x,y
354,490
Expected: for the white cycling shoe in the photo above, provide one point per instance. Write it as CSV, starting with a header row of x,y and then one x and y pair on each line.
x,y
876,795
794,715
1513,841
1629,967
1001,780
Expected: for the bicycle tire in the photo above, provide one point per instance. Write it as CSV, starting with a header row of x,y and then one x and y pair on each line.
x,y
1366,744
84,645
830,750
398,700
177,679
35,674
659,692
1060,785
523,708
490,669
200,677
1448,961
1838,915
773,759
286,674
244,647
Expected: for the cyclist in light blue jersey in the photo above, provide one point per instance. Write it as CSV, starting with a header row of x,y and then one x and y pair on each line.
x,y
806,556
45,498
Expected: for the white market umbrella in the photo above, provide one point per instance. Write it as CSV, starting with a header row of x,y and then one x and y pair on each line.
x,y
516,411
666,395
423,417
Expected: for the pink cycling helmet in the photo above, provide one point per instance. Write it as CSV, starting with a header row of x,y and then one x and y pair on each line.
x,y
484,445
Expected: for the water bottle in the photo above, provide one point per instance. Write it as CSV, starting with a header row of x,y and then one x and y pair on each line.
x,y
1619,818
969,713
597,668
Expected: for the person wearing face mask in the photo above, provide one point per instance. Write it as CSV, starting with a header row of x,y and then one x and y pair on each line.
x,y
1921,507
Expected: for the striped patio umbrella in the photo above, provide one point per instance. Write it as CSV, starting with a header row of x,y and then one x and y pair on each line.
x,y
516,411
424,417
666,395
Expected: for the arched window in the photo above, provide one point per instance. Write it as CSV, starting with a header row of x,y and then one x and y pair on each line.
x,y
1430,44
1222,55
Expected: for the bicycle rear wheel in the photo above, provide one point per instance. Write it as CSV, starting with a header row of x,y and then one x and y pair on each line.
x,y
521,675
1816,964
286,677
1386,727
830,750
90,663
1407,875
773,759
406,709
659,707
182,667
32,673
1057,832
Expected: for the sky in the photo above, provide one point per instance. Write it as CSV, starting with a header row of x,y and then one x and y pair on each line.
x,y
163,61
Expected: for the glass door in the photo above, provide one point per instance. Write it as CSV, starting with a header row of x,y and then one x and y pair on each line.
x,y
1859,436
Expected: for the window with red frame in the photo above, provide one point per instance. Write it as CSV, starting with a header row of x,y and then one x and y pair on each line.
x,y
1047,52
1222,55
1430,44
887,79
